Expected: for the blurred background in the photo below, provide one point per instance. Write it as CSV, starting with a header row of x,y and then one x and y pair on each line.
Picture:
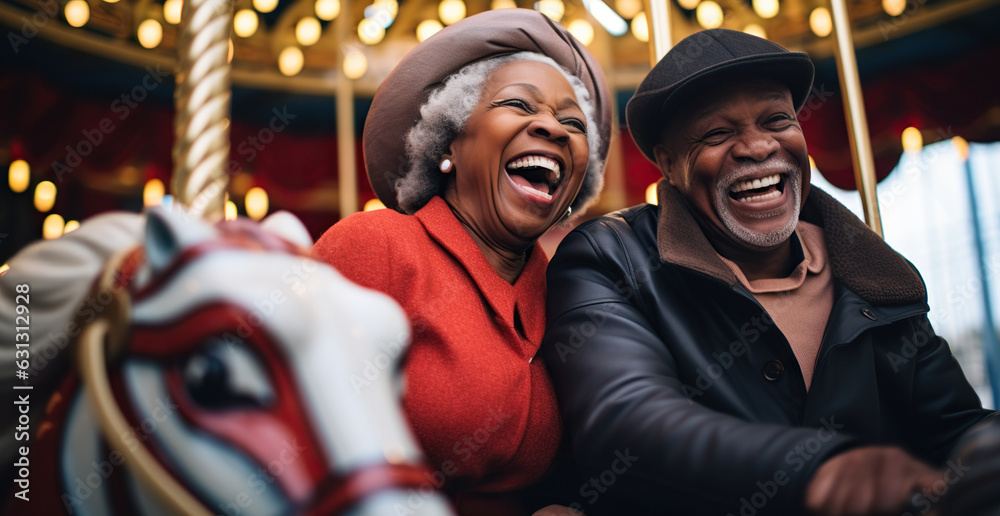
x,y
86,115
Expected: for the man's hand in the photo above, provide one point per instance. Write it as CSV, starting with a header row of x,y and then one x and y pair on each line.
x,y
867,481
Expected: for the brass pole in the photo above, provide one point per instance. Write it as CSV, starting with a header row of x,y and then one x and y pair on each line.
x,y
614,195
854,110
347,180
658,19
202,97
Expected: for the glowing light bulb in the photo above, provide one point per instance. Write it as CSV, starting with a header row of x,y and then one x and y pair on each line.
x,y
382,12
581,30
256,203
820,22
961,146
245,23
451,11
374,204
77,13
913,141
307,31
19,175
766,8
53,226
709,14
172,11
651,196
428,28
152,193
370,32
45,196
355,64
230,210
628,8
265,6
755,30
150,33
290,61
327,10
640,29
554,9
894,7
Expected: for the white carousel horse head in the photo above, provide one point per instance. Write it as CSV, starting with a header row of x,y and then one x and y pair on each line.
x,y
228,386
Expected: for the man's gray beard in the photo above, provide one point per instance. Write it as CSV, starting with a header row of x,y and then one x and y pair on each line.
x,y
753,238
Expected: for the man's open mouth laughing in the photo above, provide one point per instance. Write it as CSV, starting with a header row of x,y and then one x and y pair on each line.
x,y
758,190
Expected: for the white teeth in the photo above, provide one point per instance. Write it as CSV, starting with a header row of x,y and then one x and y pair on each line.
x,y
752,184
765,197
541,162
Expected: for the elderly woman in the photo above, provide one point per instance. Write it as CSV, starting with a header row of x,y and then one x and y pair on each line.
x,y
481,139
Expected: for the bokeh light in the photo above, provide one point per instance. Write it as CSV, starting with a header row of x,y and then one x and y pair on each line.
x,y
19,175
290,61
45,196
709,14
256,203
152,193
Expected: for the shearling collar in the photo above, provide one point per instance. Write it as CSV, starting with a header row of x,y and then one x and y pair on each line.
x,y
859,259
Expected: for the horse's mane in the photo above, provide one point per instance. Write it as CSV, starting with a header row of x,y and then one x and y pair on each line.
x,y
59,274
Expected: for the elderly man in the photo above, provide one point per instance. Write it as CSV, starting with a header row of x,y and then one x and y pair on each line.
x,y
748,346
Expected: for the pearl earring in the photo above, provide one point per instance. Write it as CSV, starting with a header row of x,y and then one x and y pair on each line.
x,y
445,165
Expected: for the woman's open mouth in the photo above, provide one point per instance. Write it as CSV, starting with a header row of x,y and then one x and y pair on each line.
x,y
537,176
758,190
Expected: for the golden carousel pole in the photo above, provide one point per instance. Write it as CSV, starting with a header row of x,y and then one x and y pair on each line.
x,y
854,110
658,24
658,19
347,161
201,150
202,98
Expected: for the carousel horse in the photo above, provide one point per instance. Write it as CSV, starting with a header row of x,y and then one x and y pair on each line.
x,y
217,373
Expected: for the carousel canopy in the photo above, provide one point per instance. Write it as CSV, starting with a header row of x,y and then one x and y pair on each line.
x,y
87,86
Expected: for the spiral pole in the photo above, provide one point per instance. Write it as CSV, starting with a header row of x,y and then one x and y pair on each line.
x,y
202,99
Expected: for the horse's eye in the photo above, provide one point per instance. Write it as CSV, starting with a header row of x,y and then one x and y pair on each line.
x,y
223,376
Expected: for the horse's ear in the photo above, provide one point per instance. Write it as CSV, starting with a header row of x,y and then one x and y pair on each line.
x,y
169,232
288,226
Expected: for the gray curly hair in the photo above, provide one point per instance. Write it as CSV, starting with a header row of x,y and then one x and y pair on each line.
x,y
447,110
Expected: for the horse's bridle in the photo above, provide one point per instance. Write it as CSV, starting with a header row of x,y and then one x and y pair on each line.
x,y
109,328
